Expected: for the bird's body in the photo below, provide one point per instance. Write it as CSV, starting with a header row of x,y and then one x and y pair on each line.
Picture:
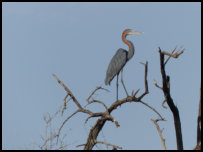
x,y
120,59
117,63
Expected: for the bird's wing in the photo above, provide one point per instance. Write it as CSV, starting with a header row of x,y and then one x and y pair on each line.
x,y
117,63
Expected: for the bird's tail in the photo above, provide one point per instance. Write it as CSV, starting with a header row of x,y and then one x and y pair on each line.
x,y
107,81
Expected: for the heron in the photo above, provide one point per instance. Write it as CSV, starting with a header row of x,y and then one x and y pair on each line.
x,y
119,60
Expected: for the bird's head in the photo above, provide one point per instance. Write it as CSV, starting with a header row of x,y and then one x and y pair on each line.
x,y
129,32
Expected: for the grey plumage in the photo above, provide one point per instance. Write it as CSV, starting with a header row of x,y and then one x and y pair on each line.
x,y
115,66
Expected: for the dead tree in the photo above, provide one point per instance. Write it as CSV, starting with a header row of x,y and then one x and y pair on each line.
x,y
103,116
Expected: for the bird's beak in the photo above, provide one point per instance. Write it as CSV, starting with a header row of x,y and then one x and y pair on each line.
x,y
135,32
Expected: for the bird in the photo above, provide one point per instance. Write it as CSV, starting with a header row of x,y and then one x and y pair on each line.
x,y
119,60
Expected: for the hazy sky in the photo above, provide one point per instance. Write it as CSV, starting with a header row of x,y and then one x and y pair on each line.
x,y
76,41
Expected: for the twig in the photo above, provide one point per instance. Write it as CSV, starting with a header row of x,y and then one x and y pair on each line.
x,y
108,144
160,133
145,82
96,101
80,145
68,91
93,92
155,83
97,88
170,56
65,122
64,105
176,55
163,104
134,94
161,118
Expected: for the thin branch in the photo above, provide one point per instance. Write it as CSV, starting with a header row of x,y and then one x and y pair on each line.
x,y
176,55
64,105
170,56
80,145
68,91
65,122
161,118
163,104
155,83
108,144
134,94
145,82
160,133
93,92
96,101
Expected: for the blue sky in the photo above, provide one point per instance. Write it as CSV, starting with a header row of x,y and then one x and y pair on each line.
x,y
76,41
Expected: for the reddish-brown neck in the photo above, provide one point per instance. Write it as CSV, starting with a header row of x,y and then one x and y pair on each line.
x,y
130,45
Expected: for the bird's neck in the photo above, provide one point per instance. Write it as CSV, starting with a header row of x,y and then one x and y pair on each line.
x,y
130,45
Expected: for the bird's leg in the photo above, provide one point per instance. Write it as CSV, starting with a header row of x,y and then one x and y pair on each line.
x,y
123,83
117,89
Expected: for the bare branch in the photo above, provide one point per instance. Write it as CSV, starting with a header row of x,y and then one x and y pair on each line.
x,y
94,115
161,118
155,83
93,92
170,56
65,122
108,144
134,94
97,101
145,81
163,104
49,140
160,133
80,145
100,103
173,108
64,105
68,91
176,55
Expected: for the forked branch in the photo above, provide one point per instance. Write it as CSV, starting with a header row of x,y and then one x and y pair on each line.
x,y
168,98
